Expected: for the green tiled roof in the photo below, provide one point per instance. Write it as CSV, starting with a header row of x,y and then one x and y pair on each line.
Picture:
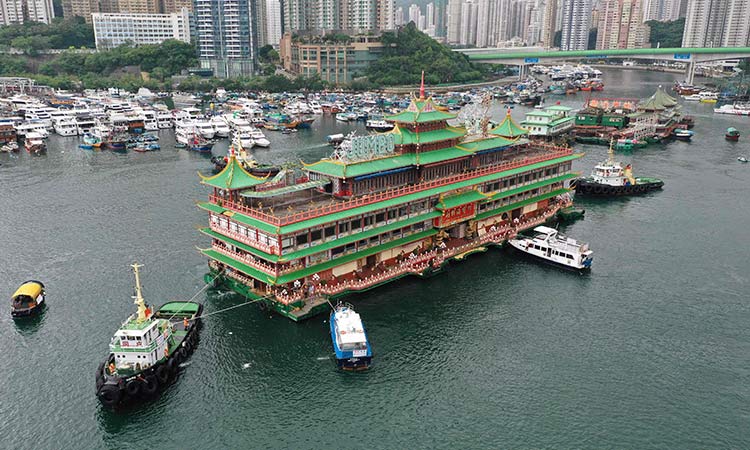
x,y
309,223
233,177
339,169
359,236
420,111
509,129
402,136
460,199
512,206
307,271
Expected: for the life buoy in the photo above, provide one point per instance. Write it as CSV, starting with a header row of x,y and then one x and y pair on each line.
x,y
162,373
133,387
109,395
150,386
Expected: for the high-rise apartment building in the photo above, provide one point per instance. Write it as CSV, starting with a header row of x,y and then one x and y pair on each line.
x,y
621,25
549,23
172,6
226,36
81,8
453,21
398,16
131,6
414,12
386,15
114,29
272,23
663,10
576,21
22,11
717,23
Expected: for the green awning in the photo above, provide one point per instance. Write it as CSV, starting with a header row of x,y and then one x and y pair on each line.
x,y
286,189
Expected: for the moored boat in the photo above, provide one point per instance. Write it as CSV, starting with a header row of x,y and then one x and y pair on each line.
x,y
147,349
349,339
34,143
8,147
682,134
610,178
552,247
732,134
28,299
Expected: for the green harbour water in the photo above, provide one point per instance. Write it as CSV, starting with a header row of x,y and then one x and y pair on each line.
x,y
649,350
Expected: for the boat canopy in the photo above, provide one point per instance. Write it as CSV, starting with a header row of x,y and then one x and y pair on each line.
x,y
545,230
29,289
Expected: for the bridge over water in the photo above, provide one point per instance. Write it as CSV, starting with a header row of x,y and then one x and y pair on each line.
x,y
525,57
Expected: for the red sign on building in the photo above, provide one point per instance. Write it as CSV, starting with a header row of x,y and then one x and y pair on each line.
x,y
455,215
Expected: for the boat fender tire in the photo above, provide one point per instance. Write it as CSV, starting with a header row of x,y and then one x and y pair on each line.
x,y
133,388
109,395
162,373
149,386
172,364
597,190
99,372
183,354
99,383
187,345
641,188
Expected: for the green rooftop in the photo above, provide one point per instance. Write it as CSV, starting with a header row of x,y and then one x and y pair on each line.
x,y
421,111
233,177
509,129
402,136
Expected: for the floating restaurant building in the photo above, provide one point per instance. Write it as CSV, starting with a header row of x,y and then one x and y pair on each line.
x,y
382,207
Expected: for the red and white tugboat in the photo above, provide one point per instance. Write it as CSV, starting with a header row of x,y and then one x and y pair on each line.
x,y
147,349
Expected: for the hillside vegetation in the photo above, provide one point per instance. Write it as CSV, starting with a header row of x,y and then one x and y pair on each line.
x,y
408,52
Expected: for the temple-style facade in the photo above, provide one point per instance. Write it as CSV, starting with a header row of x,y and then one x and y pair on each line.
x,y
382,207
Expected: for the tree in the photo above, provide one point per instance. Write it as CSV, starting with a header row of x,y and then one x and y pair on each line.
x,y
666,34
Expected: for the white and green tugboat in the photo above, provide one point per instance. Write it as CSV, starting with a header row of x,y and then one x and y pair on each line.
x,y
147,349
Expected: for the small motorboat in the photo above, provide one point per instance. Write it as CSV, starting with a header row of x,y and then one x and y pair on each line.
x,y
28,299
742,159
9,147
550,246
349,339
34,143
732,134
683,134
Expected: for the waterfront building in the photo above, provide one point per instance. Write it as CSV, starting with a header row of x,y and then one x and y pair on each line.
x,y
113,30
80,8
226,36
334,62
22,11
551,122
717,23
576,22
621,25
381,207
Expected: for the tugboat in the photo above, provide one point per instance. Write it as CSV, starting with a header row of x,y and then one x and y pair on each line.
x,y
349,339
732,135
28,299
609,178
147,349
555,248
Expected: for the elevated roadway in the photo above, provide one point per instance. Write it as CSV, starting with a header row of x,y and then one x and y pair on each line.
x,y
525,57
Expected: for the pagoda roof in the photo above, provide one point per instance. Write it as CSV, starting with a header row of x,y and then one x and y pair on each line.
x,y
403,136
233,177
340,169
508,128
659,101
421,111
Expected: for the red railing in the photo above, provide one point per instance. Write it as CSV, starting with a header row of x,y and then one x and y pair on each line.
x,y
272,249
555,152
246,259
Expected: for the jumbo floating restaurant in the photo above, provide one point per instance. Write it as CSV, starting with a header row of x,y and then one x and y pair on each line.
x,y
382,207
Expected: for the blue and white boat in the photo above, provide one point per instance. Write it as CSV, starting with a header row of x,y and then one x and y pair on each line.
x,y
547,244
349,338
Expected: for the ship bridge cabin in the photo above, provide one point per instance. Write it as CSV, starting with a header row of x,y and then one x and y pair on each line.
x,y
381,206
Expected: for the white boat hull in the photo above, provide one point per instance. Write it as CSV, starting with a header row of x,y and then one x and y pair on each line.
x,y
525,245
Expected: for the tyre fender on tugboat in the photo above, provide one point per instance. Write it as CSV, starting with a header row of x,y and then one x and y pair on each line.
x,y
133,387
162,373
150,385
109,395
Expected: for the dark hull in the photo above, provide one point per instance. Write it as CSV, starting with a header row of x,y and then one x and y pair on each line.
x,y
114,391
354,364
584,187
26,312
732,138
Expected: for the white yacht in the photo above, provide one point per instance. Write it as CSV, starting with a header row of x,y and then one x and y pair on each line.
x,y
65,126
184,131
221,128
315,107
84,123
259,138
164,119
244,137
149,120
205,128
549,245
34,126
736,109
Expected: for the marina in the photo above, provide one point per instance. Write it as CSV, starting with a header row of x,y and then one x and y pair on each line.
x,y
503,348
